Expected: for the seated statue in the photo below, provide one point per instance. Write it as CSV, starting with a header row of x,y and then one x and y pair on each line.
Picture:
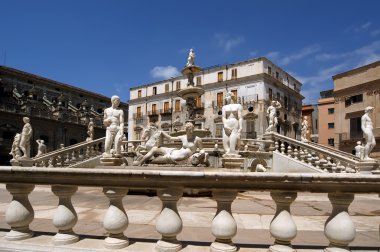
x,y
15,151
190,144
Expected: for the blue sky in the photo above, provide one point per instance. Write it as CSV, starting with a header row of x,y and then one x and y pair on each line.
x,y
109,46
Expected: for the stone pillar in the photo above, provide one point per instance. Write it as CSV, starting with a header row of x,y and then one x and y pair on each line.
x,y
339,228
223,225
169,223
282,227
65,217
115,220
20,212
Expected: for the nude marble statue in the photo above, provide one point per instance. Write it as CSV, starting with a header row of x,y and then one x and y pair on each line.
x,y
114,121
272,114
367,128
26,135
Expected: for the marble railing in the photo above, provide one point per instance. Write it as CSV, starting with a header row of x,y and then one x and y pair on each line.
x,y
339,227
319,156
71,154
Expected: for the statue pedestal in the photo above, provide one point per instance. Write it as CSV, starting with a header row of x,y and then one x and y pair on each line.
x,y
233,162
111,161
25,161
15,162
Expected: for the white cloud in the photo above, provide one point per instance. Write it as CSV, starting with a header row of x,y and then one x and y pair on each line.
x,y
375,33
298,55
363,27
304,52
227,42
164,72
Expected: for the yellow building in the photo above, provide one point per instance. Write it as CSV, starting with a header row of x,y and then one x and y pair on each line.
x,y
353,91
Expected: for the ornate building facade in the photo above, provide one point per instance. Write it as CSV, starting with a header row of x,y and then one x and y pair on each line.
x,y
59,113
354,90
255,82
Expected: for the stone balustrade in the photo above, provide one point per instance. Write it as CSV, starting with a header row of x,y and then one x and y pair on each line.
x,y
71,154
339,227
320,157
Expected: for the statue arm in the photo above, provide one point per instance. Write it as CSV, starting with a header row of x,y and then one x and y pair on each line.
x,y
240,110
363,123
167,136
279,105
121,129
224,117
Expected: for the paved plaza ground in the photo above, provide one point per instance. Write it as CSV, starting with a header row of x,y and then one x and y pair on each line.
x,y
253,212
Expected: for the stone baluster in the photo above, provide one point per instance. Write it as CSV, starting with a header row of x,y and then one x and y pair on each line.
x,y
323,164
282,148
53,161
339,228
115,220
302,155
333,167
65,217
20,212
276,146
223,225
73,156
62,159
169,223
317,162
313,158
309,158
45,162
282,227
68,160
289,151
328,158
296,153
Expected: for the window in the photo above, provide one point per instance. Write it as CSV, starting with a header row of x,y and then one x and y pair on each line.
x,y
316,124
177,106
199,80
277,75
166,87
138,112
270,94
331,125
154,109
355,128
219,99
354,99
139,94
278,96
331,141
154,90
234,73
178,85
285,117
331,111
286,102
198,102
235,95
220,76
269,70
166,107
219,130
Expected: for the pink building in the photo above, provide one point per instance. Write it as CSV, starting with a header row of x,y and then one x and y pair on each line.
x,y
326,118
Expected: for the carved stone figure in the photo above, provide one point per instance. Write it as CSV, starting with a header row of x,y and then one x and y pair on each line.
x,y
304,129
15,151
90,130
41,147
359,150
272,114
190,143
152,136
114,121
200,159
232,125
367,128
26,134
191,58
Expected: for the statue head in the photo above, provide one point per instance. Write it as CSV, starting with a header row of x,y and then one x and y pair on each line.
x,y
115,99
359,143
368,109
26,119
189,127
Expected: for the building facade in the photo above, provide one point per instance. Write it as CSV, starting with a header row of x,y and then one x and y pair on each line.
x,y
354,90
255,82
59,113
326,121
311,112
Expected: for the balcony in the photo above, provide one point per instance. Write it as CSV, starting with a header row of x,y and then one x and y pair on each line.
x,y
112,210
153,113
167,111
